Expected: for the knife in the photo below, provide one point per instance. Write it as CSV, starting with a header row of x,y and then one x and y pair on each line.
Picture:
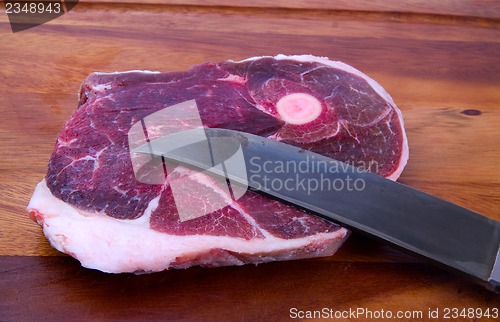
x,y
448,235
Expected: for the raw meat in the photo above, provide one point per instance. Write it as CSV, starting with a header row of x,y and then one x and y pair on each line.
x,y
91,206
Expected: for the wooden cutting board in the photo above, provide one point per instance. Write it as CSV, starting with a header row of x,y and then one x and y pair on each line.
x,y
440,60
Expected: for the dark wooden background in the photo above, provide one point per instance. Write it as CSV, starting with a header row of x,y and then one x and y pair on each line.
x,y
438,59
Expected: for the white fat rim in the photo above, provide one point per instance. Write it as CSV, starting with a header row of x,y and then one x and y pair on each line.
x,y
114,245
145,71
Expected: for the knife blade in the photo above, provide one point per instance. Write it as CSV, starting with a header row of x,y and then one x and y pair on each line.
x,y
448,235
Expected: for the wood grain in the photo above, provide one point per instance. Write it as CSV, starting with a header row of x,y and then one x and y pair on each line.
x,y
438,59
58,288
461,8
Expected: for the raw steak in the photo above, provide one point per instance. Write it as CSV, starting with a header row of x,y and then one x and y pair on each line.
x,y
91,206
